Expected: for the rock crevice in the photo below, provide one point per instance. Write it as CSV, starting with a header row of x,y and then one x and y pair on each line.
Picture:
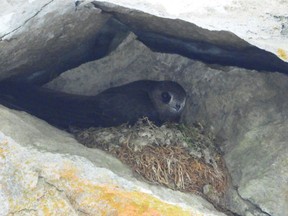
x,y
96,48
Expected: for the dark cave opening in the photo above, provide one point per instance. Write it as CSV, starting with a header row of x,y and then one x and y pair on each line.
x,y
251,57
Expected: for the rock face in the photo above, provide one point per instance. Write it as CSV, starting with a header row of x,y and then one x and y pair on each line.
x,y
57,37
246,109
255,22
42,175
66,39
47,169
177,36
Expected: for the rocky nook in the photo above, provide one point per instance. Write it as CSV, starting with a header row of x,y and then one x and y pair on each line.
x,y
237,89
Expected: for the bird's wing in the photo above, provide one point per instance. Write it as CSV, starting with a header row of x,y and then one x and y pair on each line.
x,y
123,107
59,109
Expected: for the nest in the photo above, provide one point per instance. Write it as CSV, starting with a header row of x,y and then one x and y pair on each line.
x,y
178,157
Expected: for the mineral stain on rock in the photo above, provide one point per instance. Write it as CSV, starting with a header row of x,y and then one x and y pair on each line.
x,y
282,54
62,189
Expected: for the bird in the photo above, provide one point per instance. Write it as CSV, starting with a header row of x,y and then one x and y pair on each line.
x,y
159,101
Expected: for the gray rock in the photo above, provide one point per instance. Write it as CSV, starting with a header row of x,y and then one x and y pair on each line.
x,y
248,111
47,38
45,171
192,41
52,34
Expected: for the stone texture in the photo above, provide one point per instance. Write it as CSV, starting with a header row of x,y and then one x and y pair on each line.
x,y
248,111
43,172
42,40
245,108
261,172
40,36
263,24
92,77
188,39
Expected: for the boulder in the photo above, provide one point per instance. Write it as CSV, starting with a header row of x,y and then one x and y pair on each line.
x,y
66,38
263,24
45,171
237,91
41,37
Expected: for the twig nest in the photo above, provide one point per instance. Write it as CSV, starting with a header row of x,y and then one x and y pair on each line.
x,y
179,157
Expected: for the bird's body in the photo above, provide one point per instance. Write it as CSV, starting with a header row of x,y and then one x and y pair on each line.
x,y
112,107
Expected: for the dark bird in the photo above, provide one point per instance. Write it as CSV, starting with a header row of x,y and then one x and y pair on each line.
x,y
160,101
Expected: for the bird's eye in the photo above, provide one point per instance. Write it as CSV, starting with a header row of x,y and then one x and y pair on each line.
x,y
166,97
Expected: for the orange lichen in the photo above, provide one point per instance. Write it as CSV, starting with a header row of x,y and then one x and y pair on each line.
x,y
91,198
67,192
2,150
282,54
108,199
137,203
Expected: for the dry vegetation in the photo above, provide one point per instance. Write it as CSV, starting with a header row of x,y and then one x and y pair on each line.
x,y
179,157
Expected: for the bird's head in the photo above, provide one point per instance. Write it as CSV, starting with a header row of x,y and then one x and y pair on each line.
x,y
169,100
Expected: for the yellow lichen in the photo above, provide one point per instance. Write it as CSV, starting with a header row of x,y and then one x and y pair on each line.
x,y
2,150
282,54
54,196
107,199
51,203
